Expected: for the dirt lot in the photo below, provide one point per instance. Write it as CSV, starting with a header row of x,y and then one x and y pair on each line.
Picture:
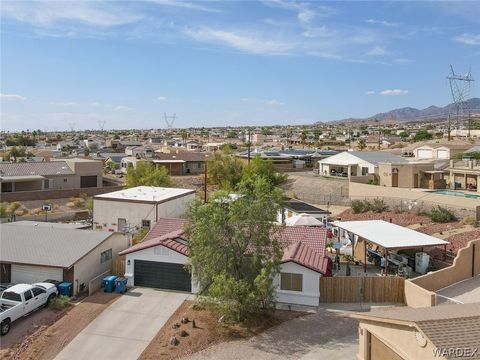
x,y
50,338
207,332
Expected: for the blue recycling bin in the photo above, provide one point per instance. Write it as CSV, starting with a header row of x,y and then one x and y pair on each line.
x,y
65,289
121,285
109,283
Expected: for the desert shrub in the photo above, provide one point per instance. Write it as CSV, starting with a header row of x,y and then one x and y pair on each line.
x,y
13,207
441,215
377,205
36,211
359,206
76,202
59,303
3,209
469,220
70,204
82,195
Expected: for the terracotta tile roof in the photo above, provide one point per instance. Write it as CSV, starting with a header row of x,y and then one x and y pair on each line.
x,y
35,168
301,254
167,240
165,226
313,237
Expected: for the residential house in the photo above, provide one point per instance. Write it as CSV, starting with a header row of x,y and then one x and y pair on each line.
x,y
463,175
356,163
34,252
295,207
73,173
411,175
439,151
440,332
138,207
159,261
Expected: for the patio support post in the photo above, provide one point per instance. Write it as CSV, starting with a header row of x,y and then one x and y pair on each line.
x,y
353,245
365,260
445,252
386,262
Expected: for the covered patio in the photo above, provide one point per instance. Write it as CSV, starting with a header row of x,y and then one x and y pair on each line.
x,y
373,240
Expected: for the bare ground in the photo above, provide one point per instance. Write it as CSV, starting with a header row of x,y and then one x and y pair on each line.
x,y
50,338
207,332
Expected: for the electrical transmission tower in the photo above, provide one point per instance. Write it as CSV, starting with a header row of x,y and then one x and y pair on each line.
x,y
169,120
460,90
101,124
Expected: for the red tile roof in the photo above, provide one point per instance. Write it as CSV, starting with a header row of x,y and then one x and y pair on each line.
x,y
301,254
302,245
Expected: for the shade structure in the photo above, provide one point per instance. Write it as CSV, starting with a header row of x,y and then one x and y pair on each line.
x,y
303,220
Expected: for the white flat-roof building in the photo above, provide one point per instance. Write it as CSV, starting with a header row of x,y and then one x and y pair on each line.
x,y
139,207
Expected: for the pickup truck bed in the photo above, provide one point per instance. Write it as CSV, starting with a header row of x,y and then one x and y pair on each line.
x,y
4,307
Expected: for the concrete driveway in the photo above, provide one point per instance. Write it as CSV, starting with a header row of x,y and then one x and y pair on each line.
x,y
125,328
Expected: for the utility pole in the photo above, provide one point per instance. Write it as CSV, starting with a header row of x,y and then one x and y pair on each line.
x,y
205,184
249,145
449,128
378,128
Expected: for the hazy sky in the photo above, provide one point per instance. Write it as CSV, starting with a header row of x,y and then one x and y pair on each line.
x,y
220,63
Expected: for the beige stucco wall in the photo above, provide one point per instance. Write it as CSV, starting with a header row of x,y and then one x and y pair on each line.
x,y
406,174
461,269
400,338
416,296
90,266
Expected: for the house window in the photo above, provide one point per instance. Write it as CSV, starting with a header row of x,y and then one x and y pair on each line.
x,y
7,187
105,256
146,224
364,171
64,180
291,282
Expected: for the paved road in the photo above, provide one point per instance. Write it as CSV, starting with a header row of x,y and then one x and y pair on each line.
x,y
125,328
324,335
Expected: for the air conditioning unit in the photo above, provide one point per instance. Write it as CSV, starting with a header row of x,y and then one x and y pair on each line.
x,y
422,260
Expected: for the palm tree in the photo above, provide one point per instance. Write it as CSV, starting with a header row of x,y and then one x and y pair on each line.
x,y
361,144
303,137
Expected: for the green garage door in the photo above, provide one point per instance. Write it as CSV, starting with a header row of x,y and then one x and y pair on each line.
x,y
162,275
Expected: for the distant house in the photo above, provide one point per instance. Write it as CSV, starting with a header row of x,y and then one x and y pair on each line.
x,y
294,207
159,262
356,163
419,174
65,174
439,151
34,252
138,207
183,162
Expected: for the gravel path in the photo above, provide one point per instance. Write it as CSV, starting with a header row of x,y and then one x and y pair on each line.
x,y
324,335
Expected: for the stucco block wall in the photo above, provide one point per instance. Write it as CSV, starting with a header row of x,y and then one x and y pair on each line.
x,y
399,338
417,297
151,254
406,174
90,266
106,211
310,294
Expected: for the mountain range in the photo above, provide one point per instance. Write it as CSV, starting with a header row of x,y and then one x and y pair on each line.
x,y
408,114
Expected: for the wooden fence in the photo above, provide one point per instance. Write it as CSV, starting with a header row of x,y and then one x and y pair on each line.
x,y
362,289
118,266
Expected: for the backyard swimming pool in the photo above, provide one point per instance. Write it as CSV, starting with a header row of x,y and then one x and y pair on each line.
x,y
458,193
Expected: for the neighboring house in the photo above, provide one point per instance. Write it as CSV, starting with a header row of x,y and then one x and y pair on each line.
x,y
439,151
94,142
138,207
109,157
440,332
294,207
65,174
356,163
34,252
463,175
182,163
122,144
193,145
139,151
159,261
411,175
279,160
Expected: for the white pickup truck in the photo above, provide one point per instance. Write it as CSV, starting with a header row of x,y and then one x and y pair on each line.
x,y
20,300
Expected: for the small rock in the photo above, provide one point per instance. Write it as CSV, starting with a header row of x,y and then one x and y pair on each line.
x,y
183,333
175,326
222,319
193,324
173,341
184,320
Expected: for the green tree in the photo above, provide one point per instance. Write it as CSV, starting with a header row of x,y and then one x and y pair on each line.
x,y
404,135
263,168
422,135
361,144
224,170
234,252
147,174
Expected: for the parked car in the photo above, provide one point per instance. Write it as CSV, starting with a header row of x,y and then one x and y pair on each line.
x,y
22,299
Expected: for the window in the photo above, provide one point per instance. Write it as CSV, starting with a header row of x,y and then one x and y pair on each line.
x,y
27,295
106,255
7,187
364,171
37,291
146,224
291,282
10,295
64,180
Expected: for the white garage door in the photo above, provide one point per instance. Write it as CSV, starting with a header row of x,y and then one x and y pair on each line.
x,y
442,154
31,274
424,154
